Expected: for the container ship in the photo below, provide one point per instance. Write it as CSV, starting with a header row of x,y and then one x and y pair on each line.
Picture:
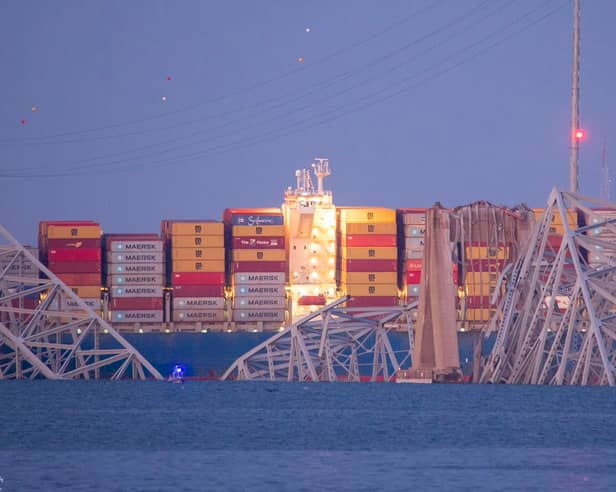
x,y
202,292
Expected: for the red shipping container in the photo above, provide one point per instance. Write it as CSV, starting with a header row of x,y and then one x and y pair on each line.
x,y
367,240
312,300
261,242
73,243
372,301
75,266
414,265
137,303
74,254
259,266
413,277
80,278
198,278
370,265
26,303
199,290
478,302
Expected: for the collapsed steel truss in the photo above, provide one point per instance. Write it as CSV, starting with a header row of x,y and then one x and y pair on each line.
x,y
557,320
47,331
331,344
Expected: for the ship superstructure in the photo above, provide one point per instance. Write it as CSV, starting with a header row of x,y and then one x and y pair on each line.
x,y
310,219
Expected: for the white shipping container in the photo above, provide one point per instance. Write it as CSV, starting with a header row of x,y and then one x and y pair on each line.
x,y
68,304
259,303
411,231
135,279
135,257
202,316
259,290
137,291
141,316
135,268
415,218
197,303
414,243
136,246
414,254
267,278
265,315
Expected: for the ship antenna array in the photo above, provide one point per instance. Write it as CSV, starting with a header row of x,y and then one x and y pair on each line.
x,y
321,170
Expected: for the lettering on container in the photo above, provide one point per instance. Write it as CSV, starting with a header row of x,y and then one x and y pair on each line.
x,y
138,316
274,315
137,257
138,268
137,279
199,315
143,291
136,245
260,302
260,290
257,220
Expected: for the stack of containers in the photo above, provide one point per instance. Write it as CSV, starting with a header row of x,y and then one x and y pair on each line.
x,y
257,264
598,256
25,268
366,263
135,277
557,227
196,250
72,251
483,264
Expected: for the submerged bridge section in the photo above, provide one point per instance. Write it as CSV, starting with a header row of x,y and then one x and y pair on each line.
x,y
47,331
332,344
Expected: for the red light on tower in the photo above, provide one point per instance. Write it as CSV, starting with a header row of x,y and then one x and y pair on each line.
x,y
580,134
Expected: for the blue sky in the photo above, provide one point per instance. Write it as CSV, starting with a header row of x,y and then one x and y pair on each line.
x,y
412,101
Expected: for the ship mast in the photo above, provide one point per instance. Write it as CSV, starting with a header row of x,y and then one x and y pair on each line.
x,y
575,135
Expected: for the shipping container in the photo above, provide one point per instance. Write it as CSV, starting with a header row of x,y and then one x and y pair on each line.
x,y
417,218
373,301
365,290
368,240
198,278
255,220
192,228
258,255
557,219
130,257
207,254
135,303
198,291
486,252
258,242
369,265
135,279
68,304
78,231
259,290
198,316
259,303
19,267
362,229
86,290
477,302
135,268
137,316
486,265
75,266
198,266
258,266
265,315
481,278
119,246
73,244
412,290
73,254
230,213
275,231
369,253
413,276
414,265
361,215
312,300
478,314
259,278
80,278
198,303
137,291
201,241
369,277
414,230
479,289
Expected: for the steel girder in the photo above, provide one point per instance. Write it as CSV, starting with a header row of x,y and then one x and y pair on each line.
x,y
556,323
48,331
330,345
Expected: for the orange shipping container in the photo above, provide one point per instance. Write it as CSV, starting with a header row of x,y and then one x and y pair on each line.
x,y
369,253
362,215
66,232
259,255
196,228
360,229
266,230
84,291
369,277
198,266
207,254
370,289
198,241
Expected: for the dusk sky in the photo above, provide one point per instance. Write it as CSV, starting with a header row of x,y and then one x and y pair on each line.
x,y
147,110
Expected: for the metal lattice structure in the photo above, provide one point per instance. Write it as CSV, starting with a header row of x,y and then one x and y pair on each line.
x,y
557,320
47,331
332,344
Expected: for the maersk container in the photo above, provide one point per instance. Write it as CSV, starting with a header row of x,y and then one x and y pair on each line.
x,y
68,304
135,268
198,303
258,242
19,267
138,316
413,290
135,279
258,266
259,303
137,291
202,316
198,278
119,246
136,303
259,290
73,254
131,257
259,278
414,230
414,218
265,315
75,266
198,291
369,265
